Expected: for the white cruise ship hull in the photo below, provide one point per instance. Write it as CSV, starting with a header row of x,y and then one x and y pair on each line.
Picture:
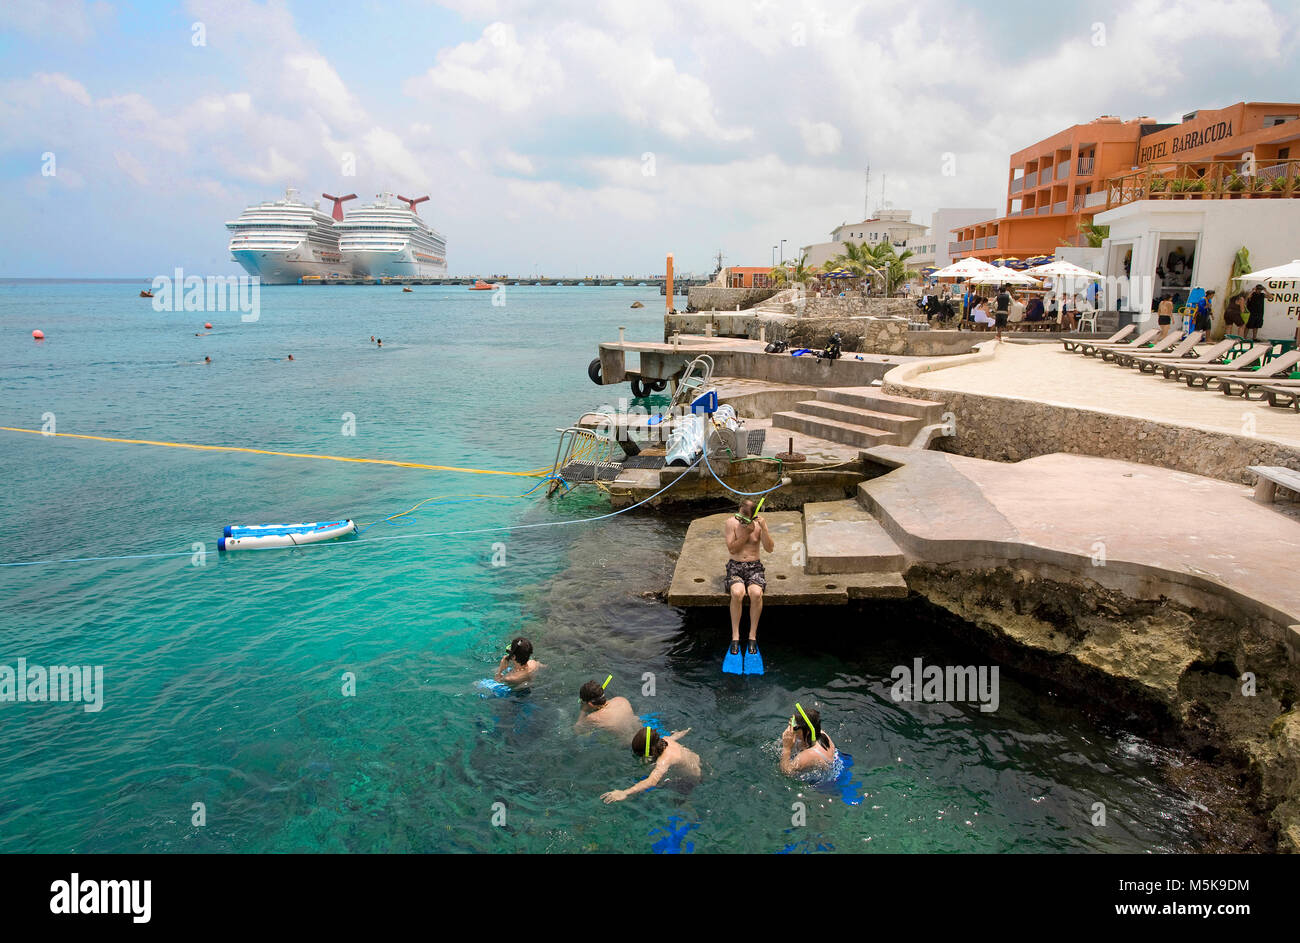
x,y
403,262
287,266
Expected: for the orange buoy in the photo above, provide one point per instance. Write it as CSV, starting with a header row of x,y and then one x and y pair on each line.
x,y
207,325
38,335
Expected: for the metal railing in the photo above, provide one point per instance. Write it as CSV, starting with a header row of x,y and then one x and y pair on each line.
x,y
1085,166
965,245
1204,180
1017,185
1059,207
1031,180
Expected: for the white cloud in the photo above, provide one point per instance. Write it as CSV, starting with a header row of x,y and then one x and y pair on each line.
x,y
819,137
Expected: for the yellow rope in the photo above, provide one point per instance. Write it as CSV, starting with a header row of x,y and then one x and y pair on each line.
x,y
535,473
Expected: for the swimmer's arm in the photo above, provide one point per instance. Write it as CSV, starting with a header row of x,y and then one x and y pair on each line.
x,y
768,544
656,775
677,735
787,741
501,671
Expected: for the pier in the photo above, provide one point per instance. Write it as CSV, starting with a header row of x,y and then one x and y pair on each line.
x,y
680,284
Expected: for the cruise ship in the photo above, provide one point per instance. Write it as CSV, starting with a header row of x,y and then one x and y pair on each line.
x,y
283,240
387,238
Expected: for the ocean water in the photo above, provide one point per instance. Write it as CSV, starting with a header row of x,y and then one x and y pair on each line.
x,y
224,683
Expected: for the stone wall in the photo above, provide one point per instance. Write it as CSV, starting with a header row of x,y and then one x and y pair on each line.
x,y
855,306
713,298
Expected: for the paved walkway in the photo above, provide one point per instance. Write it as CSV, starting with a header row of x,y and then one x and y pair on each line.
x,y
1049,374
1155,528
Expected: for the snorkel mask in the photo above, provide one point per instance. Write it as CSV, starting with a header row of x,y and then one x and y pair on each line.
x,y
749,520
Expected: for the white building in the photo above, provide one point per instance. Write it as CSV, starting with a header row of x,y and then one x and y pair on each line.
x,y
892,225
1170,246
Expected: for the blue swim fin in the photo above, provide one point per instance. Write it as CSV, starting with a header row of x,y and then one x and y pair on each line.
x,y
753,660
733,662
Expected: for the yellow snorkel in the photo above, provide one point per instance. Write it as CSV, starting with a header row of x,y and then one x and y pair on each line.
x,y
607,681
750,520
812,731
648,732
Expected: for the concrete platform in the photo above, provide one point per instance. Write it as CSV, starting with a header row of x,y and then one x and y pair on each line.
x,y
843,537
1149,532
698,579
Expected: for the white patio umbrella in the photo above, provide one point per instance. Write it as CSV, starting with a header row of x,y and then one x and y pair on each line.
x,y
1280,273
965,268
1005,276
1059,268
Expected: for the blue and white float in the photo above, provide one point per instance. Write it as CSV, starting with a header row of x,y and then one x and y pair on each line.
x,y
271,536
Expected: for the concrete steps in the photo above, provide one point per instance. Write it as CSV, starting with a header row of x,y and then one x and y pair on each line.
x,y
871,397
833,429
843,537
861,416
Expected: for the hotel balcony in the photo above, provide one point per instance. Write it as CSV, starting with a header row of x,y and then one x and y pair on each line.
x,y
1085,166
966,245
1204,180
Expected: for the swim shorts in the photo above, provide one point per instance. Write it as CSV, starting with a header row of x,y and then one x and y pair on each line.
x,y
747,572
1001,319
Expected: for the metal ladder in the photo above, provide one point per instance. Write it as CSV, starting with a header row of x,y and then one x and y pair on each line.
x,y
582,455
697,378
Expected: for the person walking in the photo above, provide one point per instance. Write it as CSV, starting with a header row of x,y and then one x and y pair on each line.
x,y
1255,305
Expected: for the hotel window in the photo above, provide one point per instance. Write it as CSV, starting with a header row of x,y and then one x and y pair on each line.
x,y
1274,120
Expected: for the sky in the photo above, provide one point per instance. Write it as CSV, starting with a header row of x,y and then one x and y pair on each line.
x,y
571,137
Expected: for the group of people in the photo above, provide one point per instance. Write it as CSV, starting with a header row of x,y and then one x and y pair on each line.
x,y
998,309
1243,314
806,749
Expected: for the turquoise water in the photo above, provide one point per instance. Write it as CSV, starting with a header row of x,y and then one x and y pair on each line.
x,y
224,681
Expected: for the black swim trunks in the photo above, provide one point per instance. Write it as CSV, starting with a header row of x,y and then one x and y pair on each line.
x,y
747,572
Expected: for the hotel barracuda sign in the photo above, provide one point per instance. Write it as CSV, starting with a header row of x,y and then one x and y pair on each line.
x,y
1186,141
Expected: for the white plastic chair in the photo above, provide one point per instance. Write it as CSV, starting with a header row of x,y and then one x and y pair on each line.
x,y
1089,319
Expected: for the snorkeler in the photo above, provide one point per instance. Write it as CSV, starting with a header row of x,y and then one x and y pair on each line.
x,y
667,754
290,356
747,537
524,667
614,714
816,751
207,360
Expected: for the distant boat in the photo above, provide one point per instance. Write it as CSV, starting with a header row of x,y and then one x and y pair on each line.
x,y
146,294
480,285
408,289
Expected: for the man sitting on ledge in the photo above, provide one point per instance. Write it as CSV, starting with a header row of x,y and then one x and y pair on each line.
x,y
747,536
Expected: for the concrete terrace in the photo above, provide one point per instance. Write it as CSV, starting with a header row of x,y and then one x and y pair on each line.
x,y
1047,373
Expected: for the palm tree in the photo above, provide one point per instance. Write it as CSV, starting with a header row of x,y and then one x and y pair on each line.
x,y
777,277
801,271
858,259
885,261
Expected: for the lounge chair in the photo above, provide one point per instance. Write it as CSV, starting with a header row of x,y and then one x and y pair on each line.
x,y
1142,339
1168,342
1267,375
1282,396
1073,343
1197,375
1182,349
1260,393
1157,362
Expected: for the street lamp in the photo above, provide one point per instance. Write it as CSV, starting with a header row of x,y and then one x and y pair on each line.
x,y
783,242
773,256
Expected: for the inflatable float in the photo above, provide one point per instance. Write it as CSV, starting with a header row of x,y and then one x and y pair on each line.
x,y
270,536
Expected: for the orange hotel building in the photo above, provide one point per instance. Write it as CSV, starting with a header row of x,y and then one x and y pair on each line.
x,y
1057,185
